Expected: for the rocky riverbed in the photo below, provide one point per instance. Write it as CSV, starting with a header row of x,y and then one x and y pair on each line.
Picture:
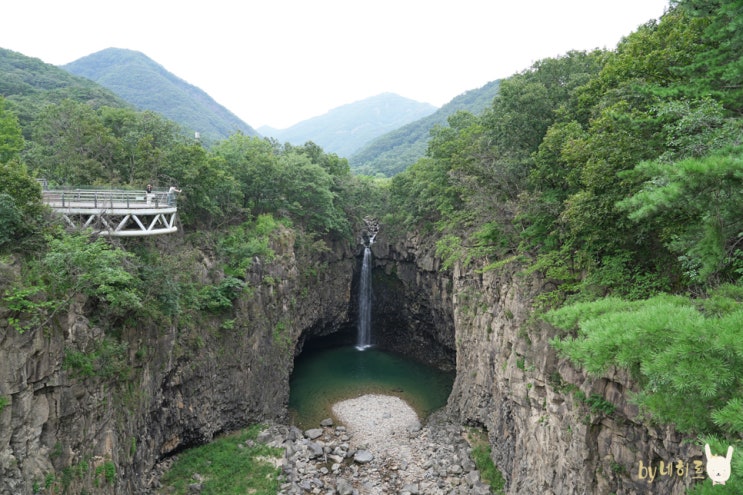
x,y
377,446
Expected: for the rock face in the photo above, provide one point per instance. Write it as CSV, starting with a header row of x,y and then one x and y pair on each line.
x,y
177,387
412,311
552,429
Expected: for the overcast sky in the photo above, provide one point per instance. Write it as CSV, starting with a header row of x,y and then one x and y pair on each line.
x,y
278,62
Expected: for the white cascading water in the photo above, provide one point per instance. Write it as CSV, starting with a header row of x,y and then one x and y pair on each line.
x,y
365,301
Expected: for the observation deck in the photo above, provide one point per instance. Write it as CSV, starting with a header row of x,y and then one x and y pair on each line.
x,y
115,212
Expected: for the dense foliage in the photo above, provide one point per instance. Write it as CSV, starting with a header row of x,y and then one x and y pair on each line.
x,y
232,464
28,84
616,175
236,198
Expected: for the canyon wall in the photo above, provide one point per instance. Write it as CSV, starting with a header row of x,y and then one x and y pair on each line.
x,y
552,429
412,306
168,389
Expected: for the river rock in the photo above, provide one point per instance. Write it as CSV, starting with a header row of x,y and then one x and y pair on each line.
x,y
363,456
315,450
411,489
313,433
377,456
343,487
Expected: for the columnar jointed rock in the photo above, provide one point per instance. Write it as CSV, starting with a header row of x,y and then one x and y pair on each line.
x,y
167,387
510,379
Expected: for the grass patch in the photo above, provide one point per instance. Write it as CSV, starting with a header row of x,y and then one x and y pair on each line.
x,y
228,465
489,474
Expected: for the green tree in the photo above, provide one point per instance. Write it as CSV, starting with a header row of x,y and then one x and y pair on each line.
x,y
674,347
696,203
72,146
425,194
21,206
11,221
644,63
362,196
298,182
74,264
144,139
80,264
695,128
333,164
11,139
624,127
254,164
211,195
553,179
717,66
308,195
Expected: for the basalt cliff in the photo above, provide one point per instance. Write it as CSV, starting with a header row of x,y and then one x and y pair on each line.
x,y
552,429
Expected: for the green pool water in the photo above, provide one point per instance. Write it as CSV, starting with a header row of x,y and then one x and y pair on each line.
x,y
322,377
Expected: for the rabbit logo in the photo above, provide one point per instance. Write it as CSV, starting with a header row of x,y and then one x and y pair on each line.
x,y
718,467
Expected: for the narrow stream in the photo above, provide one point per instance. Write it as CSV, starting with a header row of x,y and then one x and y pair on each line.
x,y
324,376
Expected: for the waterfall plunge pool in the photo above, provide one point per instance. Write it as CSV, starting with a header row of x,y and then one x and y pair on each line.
x,y
325,376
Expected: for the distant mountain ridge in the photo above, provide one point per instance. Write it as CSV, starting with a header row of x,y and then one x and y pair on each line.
x,y
345,129
149,86
381,135
395,151
29,84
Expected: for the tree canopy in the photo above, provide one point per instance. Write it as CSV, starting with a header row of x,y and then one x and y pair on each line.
x,y
616,175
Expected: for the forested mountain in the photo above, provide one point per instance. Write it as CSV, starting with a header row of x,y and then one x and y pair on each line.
x,y
148,86
395,151
345,129
608,184
28,84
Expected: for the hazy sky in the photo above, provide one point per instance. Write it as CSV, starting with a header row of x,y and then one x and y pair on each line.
x,y
277,62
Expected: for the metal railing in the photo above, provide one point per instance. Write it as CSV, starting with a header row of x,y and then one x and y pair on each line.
x,y
65,197
115,212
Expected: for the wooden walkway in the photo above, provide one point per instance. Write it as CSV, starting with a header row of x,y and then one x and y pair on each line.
x,y
117,213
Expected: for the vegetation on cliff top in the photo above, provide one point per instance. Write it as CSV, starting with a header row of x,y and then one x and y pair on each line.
x,y
615,175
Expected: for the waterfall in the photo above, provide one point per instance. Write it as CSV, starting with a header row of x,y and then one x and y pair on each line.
x,y
363,334
365,302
